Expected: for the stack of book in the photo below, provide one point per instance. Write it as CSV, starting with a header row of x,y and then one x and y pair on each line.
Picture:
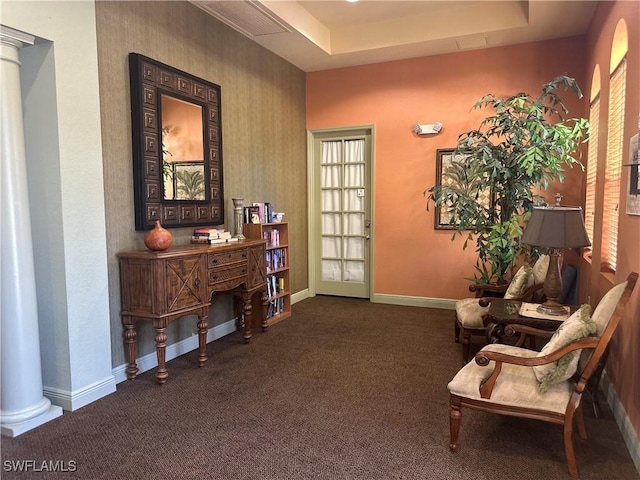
x,y
211,236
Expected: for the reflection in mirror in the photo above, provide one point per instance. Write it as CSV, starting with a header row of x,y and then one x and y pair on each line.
x,y
183,167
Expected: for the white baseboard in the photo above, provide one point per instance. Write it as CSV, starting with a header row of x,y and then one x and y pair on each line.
x,y
73,400
407,301
622,419
444,303
299,296
150,360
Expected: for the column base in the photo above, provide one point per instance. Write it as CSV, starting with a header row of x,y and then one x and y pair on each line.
x,y
18,428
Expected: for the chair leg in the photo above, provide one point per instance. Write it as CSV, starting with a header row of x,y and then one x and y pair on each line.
x,y
568,441
455,418
582,429
456,330
466,345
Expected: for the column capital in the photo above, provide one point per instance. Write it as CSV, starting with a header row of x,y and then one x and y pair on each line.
x,y
15,37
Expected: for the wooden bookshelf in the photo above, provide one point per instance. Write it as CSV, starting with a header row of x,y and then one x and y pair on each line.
x,y
277,267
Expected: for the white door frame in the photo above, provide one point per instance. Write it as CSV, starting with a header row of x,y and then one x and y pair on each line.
x,y
313,210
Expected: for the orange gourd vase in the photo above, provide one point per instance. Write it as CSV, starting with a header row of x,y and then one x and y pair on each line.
x,y
158,238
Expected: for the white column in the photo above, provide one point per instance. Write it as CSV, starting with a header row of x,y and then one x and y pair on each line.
x,y
22,404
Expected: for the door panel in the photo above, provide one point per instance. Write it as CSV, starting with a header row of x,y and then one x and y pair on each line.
x,y
342,166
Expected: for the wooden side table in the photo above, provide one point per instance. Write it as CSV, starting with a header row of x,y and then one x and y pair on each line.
x,y
503,313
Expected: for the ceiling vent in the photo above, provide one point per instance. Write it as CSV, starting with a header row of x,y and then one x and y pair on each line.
x,y
471,43
248,17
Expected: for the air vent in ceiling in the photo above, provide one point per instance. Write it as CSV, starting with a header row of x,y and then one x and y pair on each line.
x,y
249,18
471,43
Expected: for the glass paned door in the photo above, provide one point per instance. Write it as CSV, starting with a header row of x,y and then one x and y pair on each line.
x,y
342,266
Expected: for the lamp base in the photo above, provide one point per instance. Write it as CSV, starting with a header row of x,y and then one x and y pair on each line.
x,y
552,308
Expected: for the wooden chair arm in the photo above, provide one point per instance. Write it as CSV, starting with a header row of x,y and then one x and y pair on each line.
x,y
485,301
483,357
511,330
485,289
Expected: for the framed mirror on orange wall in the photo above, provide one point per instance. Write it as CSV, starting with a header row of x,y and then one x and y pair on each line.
x,y
177,146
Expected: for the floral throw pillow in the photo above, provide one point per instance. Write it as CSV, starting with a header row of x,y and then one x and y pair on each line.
x,y
522,280
540,269
577,326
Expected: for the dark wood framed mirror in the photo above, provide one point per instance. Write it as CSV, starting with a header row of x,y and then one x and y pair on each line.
x,y
177,146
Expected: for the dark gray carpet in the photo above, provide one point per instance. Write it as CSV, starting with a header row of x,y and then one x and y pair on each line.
x,y
344,389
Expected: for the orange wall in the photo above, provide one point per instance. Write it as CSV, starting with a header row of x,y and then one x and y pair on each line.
x,y
411,258
624,356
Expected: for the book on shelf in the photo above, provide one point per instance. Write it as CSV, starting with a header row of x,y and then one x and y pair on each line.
x,y
275,259
268,212
275,307
251,214
258,212
272,237
275,285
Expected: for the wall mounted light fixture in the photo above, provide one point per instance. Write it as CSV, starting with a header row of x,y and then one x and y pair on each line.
x,y
427,128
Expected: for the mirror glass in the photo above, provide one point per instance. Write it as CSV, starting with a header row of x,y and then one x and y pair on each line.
x,y
177,146
182,150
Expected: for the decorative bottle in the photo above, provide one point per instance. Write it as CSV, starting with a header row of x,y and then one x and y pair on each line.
x,y
158,238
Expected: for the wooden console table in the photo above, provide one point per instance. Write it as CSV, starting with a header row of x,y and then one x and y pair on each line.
x,y
164,286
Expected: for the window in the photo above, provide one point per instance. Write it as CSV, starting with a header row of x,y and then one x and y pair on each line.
x,y
615,132
592,158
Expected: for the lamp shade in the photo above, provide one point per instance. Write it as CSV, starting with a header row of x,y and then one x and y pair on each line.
x,y
556,227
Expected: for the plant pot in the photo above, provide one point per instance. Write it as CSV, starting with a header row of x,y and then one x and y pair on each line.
x,y
158,238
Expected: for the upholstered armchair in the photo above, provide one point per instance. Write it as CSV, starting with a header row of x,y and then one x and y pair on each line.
x,y
526,283
546,385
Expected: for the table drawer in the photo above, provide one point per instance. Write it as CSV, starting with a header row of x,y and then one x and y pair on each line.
x,y
226,258
227,278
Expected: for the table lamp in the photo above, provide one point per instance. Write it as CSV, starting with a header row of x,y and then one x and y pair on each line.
x,y
551,229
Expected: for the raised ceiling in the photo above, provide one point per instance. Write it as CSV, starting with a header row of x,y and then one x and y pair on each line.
x,y
320,35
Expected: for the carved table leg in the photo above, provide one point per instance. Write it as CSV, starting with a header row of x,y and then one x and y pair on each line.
x,y
247,318
237,305
131,350
161,346
202,340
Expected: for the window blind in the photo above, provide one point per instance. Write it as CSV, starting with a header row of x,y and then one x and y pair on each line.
x,y
592,169
613,169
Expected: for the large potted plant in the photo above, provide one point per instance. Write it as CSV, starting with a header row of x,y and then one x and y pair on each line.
x,y
524,145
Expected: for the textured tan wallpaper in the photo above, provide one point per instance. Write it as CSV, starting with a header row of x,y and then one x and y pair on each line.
x,y
263,131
